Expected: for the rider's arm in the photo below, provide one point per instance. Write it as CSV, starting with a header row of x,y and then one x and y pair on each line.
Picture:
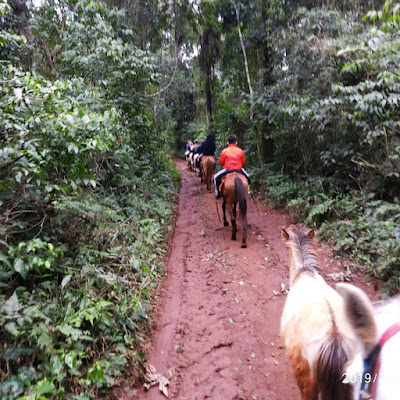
x,y
243,158
222,157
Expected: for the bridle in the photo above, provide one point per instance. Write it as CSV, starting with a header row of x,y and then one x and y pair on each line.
x,y
372,364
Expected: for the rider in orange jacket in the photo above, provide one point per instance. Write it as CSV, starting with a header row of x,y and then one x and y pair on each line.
x,y
233,159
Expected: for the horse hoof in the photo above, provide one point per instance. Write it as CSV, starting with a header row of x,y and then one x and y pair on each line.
x,y
226,223
233,237
244,245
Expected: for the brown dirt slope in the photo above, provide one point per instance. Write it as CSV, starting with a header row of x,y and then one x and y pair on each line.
x,y
217,329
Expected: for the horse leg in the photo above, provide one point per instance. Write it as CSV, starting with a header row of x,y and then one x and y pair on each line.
x,y
232,212
226,223
244,237
244,227
211,171
207,177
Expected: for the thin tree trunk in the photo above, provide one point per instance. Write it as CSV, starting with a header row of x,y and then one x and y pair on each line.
x,y
51,58
246,67
267,141
209,97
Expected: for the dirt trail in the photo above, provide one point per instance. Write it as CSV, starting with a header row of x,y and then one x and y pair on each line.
x,y
218,322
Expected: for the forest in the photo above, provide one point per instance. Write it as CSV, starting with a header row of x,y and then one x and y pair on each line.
x,y
95,98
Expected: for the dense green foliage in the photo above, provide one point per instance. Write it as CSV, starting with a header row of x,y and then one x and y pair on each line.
x,y
355,224
91,99
85,199
341,128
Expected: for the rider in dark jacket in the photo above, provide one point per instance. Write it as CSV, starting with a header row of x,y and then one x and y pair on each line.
x,y
208,146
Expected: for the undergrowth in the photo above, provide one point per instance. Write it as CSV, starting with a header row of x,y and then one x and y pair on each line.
x,y
73,313
356,224
84,216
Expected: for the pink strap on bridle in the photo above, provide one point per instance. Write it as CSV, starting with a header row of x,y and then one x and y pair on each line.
x,y
388,334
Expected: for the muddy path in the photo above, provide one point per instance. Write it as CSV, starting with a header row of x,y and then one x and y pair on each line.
x,y
217,327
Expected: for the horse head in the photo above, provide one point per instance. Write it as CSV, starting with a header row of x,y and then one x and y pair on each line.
x,y
302,250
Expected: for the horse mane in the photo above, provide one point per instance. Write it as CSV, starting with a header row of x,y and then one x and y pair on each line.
x,y
303,247
301,242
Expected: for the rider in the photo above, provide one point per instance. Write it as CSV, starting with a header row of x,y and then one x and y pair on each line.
x,y
233,159
207,148
187,152
197,150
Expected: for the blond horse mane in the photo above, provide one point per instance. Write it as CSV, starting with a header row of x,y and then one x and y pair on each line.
x,y
302,250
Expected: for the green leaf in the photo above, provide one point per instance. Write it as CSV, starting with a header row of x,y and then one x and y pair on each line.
x,y
72,147
11,327
4,259
12,306
45,387
19,266
65,281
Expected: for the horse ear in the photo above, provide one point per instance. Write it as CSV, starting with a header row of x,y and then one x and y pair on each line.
x,y
311,233
360,313
285,235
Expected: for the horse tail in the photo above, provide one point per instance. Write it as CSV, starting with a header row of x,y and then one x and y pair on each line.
x,y
241,196
331,364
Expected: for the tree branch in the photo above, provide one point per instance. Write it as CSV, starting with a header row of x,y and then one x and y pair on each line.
x,y
164,88
11,162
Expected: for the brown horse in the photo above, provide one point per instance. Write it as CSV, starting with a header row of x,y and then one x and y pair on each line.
x,y
234,190
318,337
207,167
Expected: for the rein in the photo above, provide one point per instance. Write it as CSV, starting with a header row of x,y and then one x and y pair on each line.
x,y
372,364
254,202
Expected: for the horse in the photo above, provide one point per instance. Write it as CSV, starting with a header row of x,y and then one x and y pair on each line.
x,y
194,159
234,190
207,168
190,160
187,152
374,371
317,334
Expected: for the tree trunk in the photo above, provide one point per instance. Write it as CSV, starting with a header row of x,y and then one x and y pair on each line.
x,y
51,58
209,96
21,11
267,141
246,67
